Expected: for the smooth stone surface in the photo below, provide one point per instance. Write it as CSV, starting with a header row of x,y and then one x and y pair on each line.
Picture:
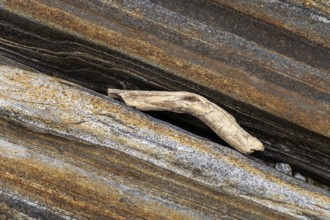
x,y
284,168
300,177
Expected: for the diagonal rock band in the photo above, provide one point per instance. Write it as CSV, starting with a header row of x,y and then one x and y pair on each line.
x,y
219,120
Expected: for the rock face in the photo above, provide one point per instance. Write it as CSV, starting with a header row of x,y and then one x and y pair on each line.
x,y
272,74
70,152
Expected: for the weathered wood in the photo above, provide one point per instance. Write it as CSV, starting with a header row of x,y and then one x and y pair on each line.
x,y
273,77
70,152
220,121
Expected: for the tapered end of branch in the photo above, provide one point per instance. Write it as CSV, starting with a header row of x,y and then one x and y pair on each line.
x,y
255,145
115,93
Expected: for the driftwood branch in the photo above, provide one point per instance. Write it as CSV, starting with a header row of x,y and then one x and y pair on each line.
x,y
220,121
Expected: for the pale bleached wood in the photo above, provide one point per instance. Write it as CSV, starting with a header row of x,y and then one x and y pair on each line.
x,y
220,121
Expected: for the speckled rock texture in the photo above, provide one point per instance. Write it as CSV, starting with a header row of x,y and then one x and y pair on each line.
x,y
68,152
265,62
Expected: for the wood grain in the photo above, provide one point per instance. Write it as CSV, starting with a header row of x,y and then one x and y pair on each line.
x,y
220,121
